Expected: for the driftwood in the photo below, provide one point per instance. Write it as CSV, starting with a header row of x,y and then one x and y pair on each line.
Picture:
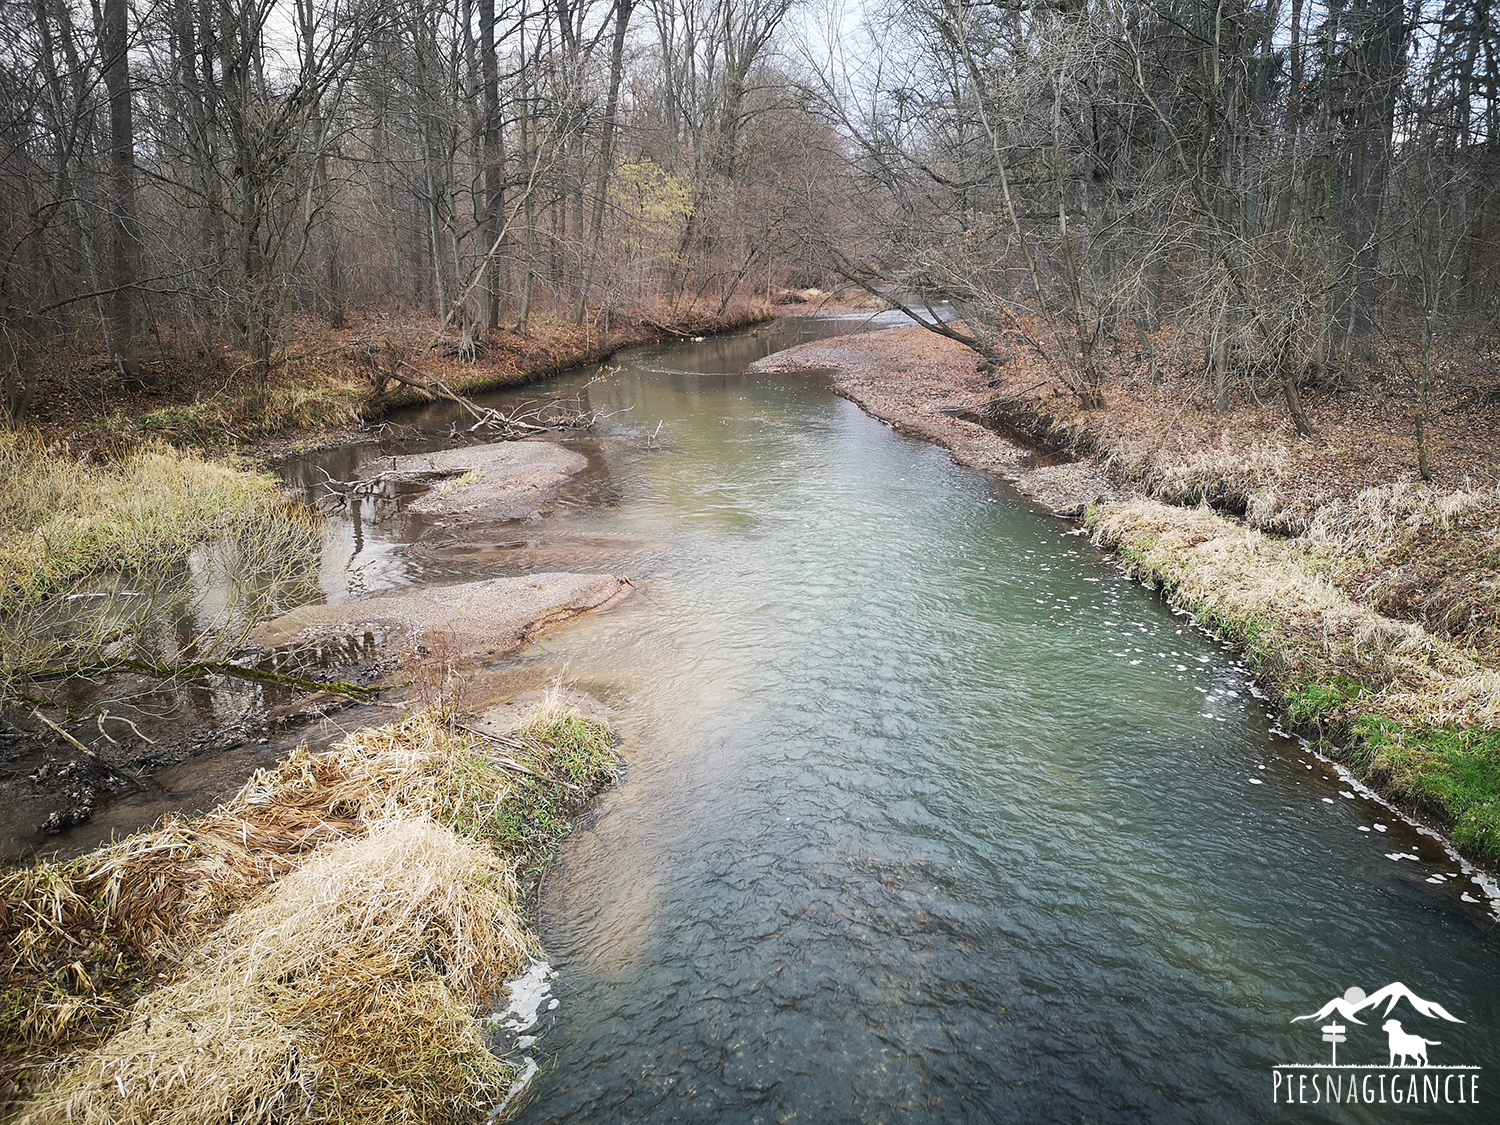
x,y
542,416
109,770
381,482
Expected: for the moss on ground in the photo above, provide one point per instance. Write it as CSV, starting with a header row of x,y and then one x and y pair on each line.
x,y
579,759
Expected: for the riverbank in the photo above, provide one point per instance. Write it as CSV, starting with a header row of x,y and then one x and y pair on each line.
x,y
323,943
162,610
116,488
1367,602
329,386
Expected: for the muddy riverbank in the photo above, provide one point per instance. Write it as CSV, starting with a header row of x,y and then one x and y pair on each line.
x,y
95,756
1365,604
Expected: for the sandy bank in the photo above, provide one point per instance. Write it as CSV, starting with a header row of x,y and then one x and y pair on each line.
x,y
508,480
474,619
928,387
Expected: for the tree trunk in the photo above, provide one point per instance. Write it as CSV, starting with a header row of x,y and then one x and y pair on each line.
x,y
494,161
623,10
124,225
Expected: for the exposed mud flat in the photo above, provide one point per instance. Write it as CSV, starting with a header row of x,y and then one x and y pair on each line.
x,y
508,480
185,745
475,619
929,387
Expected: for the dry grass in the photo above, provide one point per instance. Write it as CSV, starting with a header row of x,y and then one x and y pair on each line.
x,y
62,518
322,938
102,563
345,994
1412,712
1421,554
1300,627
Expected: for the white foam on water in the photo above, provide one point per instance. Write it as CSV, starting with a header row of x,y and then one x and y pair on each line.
x,y
527,994
516,1087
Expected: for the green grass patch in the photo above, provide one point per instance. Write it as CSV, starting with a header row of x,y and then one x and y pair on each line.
x,y
1320,702
566,758
1455,770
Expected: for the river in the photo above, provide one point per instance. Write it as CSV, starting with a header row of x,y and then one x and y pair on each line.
x,y
928,813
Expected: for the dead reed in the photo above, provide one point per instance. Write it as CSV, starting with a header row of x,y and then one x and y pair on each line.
x,y
1299,627
313,949
345,993
62,518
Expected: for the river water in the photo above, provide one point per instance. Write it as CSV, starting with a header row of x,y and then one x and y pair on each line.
x,y
928,814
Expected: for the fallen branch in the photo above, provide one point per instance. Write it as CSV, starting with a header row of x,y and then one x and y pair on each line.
x,y
91,754
203,668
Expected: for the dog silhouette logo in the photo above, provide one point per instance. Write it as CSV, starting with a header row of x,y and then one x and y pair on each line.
x,y
1404,1046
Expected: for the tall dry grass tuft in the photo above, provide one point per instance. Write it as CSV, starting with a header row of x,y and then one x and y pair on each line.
x,y
345,994
61,519
102,564
1227,475
1419,553
323,937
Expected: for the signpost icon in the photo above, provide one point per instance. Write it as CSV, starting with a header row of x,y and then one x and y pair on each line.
x,y
1334,1033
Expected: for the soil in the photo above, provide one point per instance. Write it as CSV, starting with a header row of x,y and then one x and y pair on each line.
x,y
470,620
930,388
155,748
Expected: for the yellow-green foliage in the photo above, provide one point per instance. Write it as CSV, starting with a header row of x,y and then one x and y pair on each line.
x,y
651,197
61,519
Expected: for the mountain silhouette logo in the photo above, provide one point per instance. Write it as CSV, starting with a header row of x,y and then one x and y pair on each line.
x,y
1354,1001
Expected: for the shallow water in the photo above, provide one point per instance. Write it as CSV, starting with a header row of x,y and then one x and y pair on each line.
x,y
931,815
928,814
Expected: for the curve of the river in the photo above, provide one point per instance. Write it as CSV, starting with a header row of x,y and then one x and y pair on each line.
x,y
931,815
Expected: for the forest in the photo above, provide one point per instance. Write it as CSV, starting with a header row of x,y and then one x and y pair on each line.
x,y
286,759
1276,195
